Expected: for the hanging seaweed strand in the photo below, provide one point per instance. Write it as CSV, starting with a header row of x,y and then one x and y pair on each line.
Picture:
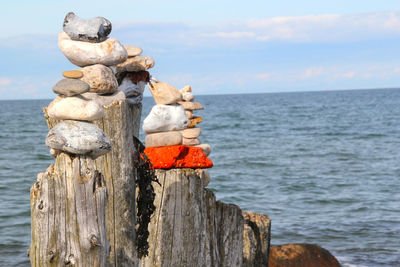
x,y
145,197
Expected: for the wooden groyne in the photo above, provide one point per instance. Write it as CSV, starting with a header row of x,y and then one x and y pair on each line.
x,y
83,207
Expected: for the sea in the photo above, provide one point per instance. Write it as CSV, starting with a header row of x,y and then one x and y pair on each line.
x,y
324,166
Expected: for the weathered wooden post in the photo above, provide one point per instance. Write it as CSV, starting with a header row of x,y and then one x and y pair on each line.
x,y
189,227
83,207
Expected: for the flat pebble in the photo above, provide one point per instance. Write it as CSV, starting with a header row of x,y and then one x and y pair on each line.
x,y
70,87
133,51
163,139
73,74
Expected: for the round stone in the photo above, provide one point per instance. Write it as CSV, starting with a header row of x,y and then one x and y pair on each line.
x,y
71,87
73,74
133,51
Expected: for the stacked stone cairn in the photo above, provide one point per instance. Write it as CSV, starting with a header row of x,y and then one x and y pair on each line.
x,y
108,69
172,136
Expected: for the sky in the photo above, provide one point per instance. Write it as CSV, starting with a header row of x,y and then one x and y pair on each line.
x,y
217,47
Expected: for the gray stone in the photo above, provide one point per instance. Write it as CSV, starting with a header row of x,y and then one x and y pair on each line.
x,y
78,137
109,52
163,118
88,30
70,87
163,139
100,78
132,91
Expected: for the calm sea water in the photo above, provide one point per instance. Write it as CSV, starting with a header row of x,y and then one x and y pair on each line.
x,y
325,166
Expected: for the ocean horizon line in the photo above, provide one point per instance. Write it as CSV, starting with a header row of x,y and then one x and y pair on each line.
x,y
250,93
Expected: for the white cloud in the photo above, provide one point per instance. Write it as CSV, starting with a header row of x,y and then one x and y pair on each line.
x,y
4,81
264,76
312,72
347,75
396,70
317,28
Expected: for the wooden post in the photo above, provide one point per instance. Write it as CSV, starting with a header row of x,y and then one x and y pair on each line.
x,y
191,228
84,210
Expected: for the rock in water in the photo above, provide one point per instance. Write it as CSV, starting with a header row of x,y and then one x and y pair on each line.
x,y
70,87
291,255
163,139
133,51
163,118
74,108
164,93
88,30
78,137
100,78
108,52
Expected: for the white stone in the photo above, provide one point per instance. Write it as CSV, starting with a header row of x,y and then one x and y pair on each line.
x,y
109,52
187,96
74,108
163,118
78,137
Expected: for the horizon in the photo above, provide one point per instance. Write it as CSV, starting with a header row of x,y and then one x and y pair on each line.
x,y
257,93
276,47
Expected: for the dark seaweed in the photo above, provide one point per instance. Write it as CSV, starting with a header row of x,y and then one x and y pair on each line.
x,y
145,197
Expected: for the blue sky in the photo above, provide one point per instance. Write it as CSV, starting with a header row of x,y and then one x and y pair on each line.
x,y
218,47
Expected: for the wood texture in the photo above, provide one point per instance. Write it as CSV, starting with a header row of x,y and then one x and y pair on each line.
x,y
256,239
68,206
190,228
117,206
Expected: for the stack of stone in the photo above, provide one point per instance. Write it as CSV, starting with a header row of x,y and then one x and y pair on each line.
x,y
172,138
191,134
108,68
